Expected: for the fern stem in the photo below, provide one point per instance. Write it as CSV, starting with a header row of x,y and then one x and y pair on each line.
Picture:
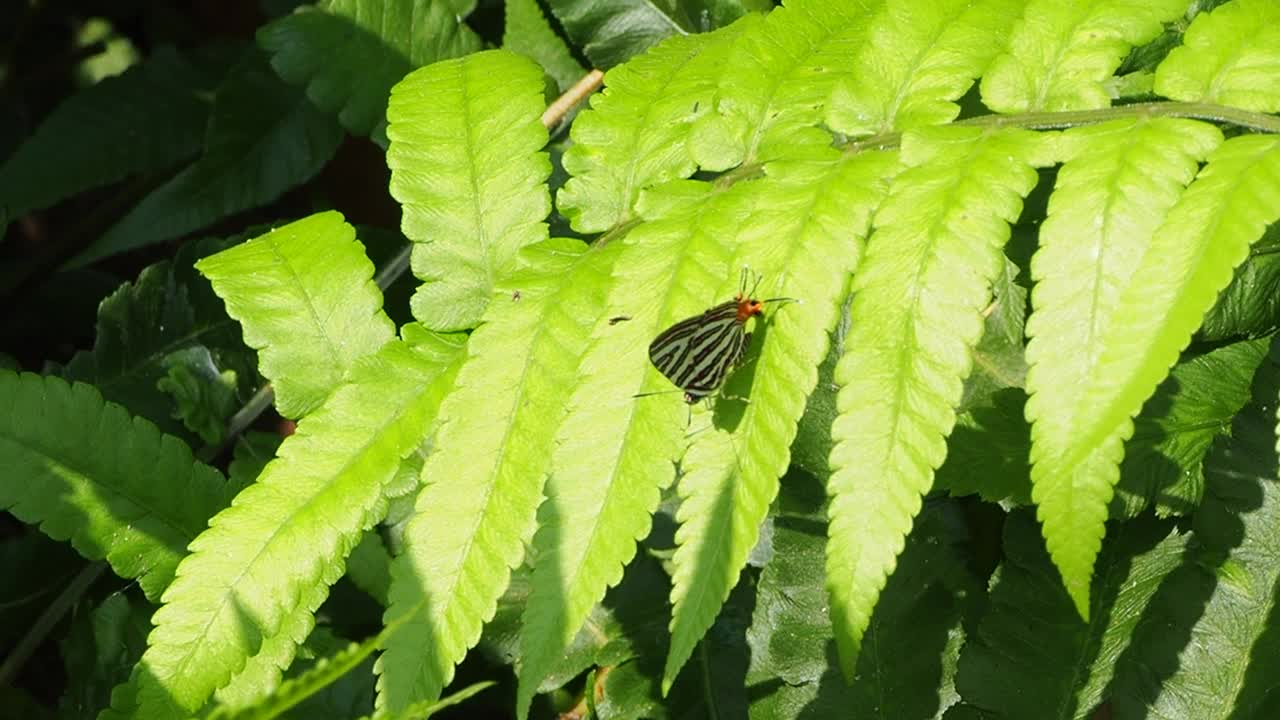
x,y
708,692
750,171
1258,122
617,232
34,636
240,422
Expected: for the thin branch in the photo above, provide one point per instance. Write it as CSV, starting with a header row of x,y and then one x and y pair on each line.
x,y
557,110
50,617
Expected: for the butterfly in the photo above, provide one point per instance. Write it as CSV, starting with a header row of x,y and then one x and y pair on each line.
x,y
698,353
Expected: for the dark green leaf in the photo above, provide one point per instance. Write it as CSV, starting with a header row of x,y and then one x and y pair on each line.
x,y
146,120
612,31
99,652
169,308
1194,405
1209,646
988,452
348,53
1250,306
999,360
793,669
1032,656
205,395
252,453
707,15
812,445
264,138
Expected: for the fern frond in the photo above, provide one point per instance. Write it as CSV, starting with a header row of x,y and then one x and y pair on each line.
x,y
1061,54
348,53
730,476
1117,185
1208,646
635,134
483,484
779,75
1031,656
614,453
305,296
937,51
283,540
1189,260
916,314
85,471
466,165
1230,56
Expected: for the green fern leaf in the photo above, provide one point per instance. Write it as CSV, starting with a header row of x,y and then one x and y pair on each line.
x,y
917,314
483,484
260,676
146,120
635,134
349,53
1190,259
1031,656
614,453
1163,463
1118,184
305,296
525,30
1208,647
1061,54
939,48
264,137
466,165
1230,56
86,471
283,540
731,476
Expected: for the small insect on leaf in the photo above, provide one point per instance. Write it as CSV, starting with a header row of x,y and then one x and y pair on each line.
x,y
619,318
515,296
698,353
